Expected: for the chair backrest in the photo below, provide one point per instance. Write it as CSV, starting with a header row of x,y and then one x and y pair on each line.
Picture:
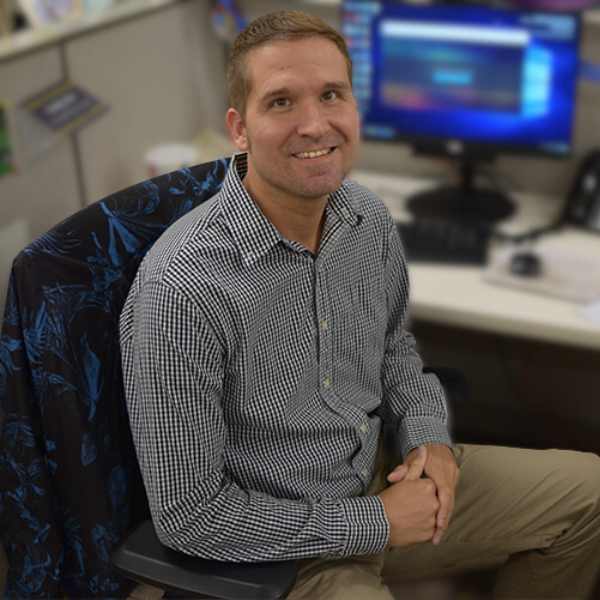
x,y
69,482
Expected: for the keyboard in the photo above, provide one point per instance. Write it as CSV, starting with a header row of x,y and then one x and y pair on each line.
x,y
444,241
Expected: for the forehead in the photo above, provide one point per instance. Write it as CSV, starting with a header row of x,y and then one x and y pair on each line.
x,y
285,63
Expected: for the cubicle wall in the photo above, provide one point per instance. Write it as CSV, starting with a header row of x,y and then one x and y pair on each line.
x,y
161,73
47,188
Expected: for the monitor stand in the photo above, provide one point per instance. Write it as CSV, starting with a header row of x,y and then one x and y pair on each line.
x,y
463,202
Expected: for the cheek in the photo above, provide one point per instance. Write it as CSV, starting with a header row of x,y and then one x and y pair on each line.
x,y
266,137
349,124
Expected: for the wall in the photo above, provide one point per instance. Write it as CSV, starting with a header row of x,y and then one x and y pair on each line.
x,y
163,84
36,197
161,73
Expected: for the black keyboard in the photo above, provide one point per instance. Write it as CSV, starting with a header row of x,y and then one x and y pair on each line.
x,y
444,241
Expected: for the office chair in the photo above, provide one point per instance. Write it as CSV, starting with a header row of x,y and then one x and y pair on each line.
x,y
70,487
71,493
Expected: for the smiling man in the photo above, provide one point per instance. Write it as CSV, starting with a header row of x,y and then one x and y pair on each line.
x,y
300,127
265,347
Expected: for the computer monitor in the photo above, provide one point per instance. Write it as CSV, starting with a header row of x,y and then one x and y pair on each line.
x,y
464,81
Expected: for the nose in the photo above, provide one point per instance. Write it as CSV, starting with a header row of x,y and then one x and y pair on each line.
x,y
312,121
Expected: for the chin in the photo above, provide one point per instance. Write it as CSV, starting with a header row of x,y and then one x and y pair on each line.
x,y
324,187
318,191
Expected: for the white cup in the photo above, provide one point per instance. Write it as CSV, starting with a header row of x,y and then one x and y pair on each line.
x,y
170,157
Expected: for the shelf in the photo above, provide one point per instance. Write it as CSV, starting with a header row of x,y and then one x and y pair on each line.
x,y
33,39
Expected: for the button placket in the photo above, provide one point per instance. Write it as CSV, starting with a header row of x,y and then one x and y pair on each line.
x,y
324,338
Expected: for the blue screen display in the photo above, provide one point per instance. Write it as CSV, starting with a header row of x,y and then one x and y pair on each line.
x,y
505,79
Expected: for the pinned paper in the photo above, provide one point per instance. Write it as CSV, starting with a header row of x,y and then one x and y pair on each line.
x,y
52,114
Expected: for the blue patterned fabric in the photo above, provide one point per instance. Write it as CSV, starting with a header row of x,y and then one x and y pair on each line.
x,y
69,482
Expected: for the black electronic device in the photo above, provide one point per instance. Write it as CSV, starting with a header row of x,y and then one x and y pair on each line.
x,y
526,264
467,82
444,241
583,204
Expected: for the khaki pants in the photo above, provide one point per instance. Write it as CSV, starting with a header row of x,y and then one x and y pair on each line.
x,y
535,511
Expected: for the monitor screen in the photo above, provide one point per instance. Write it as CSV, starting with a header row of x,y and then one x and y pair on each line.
x,y
464,79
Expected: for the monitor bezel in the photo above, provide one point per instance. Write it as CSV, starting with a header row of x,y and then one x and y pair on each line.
x,y
471,149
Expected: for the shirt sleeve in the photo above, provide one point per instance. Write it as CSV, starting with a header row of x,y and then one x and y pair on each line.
x,y
414,402
175,368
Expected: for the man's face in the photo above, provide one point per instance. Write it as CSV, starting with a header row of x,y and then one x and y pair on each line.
x,y
301,125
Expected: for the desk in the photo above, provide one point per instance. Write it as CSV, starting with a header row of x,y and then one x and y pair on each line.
x,y
458,296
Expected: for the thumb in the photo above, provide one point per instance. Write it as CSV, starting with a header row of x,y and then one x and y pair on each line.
x,y
398,474
417,466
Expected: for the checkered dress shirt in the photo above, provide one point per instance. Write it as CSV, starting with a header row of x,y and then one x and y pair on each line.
x,y
257,376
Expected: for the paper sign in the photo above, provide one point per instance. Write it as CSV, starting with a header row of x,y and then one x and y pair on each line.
x,y
63,107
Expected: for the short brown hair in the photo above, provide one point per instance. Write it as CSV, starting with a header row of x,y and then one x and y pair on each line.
x,y
279,25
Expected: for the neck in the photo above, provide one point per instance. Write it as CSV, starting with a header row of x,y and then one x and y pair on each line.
x,y
297,219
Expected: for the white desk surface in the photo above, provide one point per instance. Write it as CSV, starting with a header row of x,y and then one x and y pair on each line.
x,y
459,296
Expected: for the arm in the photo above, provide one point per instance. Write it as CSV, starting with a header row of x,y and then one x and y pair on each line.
x,y
181,435
414,401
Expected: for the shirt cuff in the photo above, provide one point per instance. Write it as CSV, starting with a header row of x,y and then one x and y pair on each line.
x,y
368,527
419,431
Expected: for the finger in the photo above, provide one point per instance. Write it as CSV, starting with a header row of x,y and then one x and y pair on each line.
x,y
446,499
416,467
398,474
437,536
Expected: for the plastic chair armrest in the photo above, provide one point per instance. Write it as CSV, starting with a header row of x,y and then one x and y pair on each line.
x,y
143,558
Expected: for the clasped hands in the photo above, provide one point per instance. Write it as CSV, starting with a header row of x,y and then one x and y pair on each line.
x,y
420,500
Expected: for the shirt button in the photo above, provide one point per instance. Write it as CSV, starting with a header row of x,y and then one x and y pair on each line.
x,y
327,382
324,325
364,428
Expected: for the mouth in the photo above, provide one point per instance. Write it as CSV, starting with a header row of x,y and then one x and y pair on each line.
x,y
313,154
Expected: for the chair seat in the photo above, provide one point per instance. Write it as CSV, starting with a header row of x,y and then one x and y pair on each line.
x,y
143,558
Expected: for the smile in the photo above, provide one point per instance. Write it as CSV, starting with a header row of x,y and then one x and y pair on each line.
x,y
315,153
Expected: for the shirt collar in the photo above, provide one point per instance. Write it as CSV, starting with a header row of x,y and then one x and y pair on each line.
x,y
344,205
253,233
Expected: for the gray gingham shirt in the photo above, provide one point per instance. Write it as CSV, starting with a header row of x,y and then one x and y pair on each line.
x,y
257,376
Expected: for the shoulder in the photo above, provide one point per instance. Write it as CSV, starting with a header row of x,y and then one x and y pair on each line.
x,y
367,203
377,221
186,255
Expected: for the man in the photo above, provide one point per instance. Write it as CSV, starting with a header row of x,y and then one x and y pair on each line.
x,y
264,346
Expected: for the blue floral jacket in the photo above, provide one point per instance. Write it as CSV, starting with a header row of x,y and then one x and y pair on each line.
x,y
70,486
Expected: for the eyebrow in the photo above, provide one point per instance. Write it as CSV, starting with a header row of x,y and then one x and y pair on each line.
x,y
284,91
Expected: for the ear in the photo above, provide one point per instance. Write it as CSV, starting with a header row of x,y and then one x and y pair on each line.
x,y
237,129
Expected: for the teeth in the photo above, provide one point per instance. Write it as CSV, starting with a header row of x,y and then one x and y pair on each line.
x,y
313,153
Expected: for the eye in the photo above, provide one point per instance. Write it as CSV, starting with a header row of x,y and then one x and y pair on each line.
x,y
280,103
330,95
